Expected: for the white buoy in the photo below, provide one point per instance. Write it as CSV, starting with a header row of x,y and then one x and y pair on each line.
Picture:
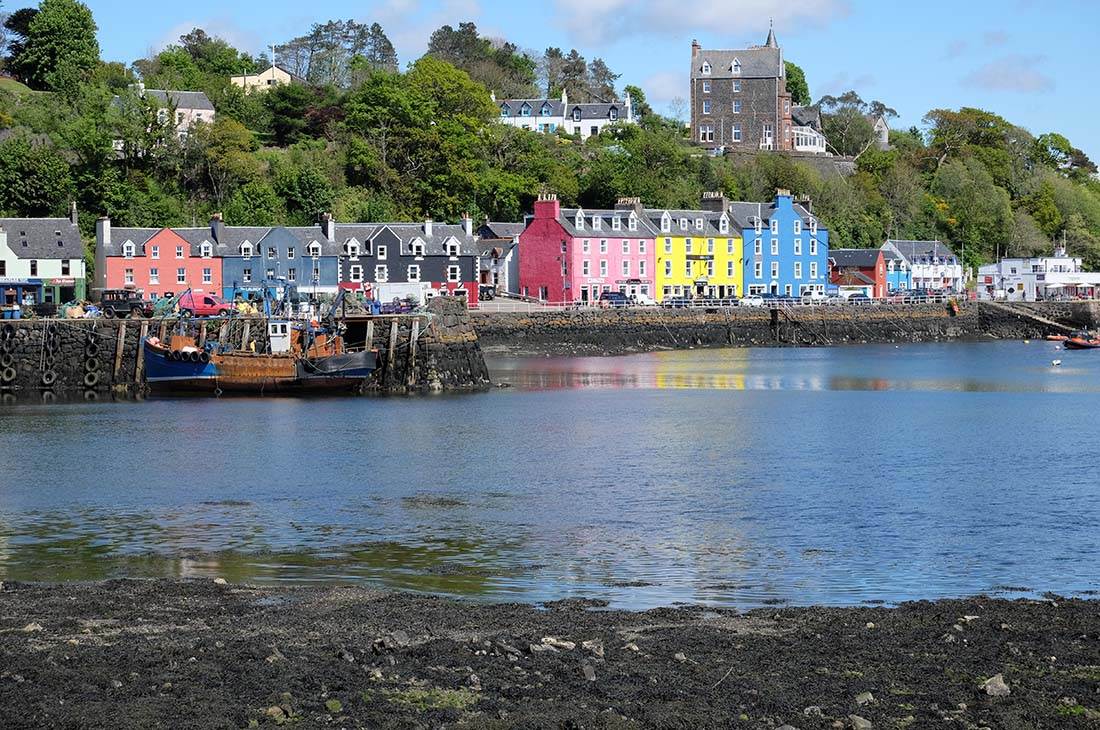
x,y
1027,342
1055,363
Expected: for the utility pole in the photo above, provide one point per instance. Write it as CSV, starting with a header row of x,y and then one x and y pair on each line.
x,y
272,55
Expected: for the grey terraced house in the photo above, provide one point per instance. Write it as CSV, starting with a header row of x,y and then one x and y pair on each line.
x,y
739,100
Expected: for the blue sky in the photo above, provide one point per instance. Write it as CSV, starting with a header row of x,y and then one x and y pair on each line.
x,y
1024,59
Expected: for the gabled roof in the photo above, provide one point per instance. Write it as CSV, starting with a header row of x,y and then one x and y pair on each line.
x,y
568,217
513,106
862,258
745,214
756,63
407,233
806,116
500,231
44,238
182,99
710,223
596,110
912,250
854,278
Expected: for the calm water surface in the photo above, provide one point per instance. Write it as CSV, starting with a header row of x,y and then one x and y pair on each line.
x,y
733,477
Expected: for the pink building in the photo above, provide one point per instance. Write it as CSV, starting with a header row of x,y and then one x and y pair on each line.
x,y
573,255
159,262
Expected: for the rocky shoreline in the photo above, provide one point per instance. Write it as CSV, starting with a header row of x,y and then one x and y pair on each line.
x,y
202,654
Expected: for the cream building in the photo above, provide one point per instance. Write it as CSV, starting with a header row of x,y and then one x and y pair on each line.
x,y
274,76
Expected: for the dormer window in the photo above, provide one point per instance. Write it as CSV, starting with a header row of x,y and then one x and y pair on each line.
x,y
504,110
735,67
246,250
616,223
525,110
545,111
417,248
813,226
128,250
578,221
666,223
577,114
597,223
758,225
698,224
352,248
206,249
452,249
723,225
632,222
706,68
683,224
314,249
613,113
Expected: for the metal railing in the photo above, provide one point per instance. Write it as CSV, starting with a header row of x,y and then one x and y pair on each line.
x,y
510,305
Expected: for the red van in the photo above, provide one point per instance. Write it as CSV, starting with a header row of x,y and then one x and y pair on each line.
x,y
203,305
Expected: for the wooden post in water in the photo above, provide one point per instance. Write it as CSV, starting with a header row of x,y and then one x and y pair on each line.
x,y
244,335
139,365
411,376
392,346
163,330
202,334
120,344
223,332
368,344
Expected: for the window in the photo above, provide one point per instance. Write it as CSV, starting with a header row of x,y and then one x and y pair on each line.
x,y
632,222
758,270
154,252
775,247
381,273
666,223
207,275
729,268
698,224
735,68
603,245
706,87
616,223
797,226
626,268
758,247
683,224
641,246
292,274
315,250
414,272
687,268
246,250
290,252
775,226
775,269
246,275
603,268
355,273
179,252
706,106
597,223
737,106
128,276
710,245
813,269
577,114
452,249
798,247
565,267
787,106
417,249
710,269
641,268
586,268
272,253
585,246
578,221
706,132
706,68
813,226
798,269
729,245
687,245
206,250
181,275
382,252
626,246
34,267
127,250
723,225
269,273
736,133
668,245
668,267
737,86
352,248
65,267
759,225
454,273
316,274
813,247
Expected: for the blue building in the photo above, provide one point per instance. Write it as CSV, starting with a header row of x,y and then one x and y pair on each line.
x,y
786,251
899,277
263,260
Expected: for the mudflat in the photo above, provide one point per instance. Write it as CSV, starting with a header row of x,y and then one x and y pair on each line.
x,y
200,654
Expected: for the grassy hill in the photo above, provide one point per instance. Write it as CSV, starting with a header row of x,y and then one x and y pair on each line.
x,y
13,86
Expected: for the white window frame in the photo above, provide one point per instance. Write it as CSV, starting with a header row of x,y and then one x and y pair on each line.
x,y
775,270
597,223
382,253
775,247
154,275
797,226
603,267
775,226
632,222
603,245
154,252
181,275
706,68
616,223
797,269
668,268
585,245
381,273
206,250
128,276
813,270
626,245
355,273
412,273
798,247
641,267
207,275
626,267
706,87
128,250
668,245
454,273
758,270
586,268
813,247
179,252
758,246
641,245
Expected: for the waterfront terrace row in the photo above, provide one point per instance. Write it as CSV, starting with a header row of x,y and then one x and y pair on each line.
x,y
379,259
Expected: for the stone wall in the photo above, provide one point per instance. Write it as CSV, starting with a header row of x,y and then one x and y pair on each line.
x,y
627,330
93,357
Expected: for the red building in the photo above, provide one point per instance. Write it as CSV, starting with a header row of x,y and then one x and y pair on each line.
x,y
159,262
858,269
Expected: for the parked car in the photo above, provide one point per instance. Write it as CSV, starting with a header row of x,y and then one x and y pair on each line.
x,y
859,298
751,300
677,302
614,299
814,297
486,292
203,305
124,302
643,300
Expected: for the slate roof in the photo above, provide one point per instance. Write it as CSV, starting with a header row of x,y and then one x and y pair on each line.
x,y
710,223
557,109
409,232
568,217
756,63
913,250
597,110
491,230
745,213
182,99
849,278
43,238
862,258
806,116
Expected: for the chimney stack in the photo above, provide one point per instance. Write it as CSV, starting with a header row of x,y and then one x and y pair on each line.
x,y
695,48
72,212
547,206
634,204
216,227
715,202
428,227
467,224
328,226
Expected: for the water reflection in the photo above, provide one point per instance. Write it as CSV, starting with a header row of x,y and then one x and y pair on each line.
x,y
739,477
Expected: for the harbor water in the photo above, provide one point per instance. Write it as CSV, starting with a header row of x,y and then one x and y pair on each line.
x,y
729,477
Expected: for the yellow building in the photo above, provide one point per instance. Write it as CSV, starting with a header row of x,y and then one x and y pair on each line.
x,y
274,76
699,253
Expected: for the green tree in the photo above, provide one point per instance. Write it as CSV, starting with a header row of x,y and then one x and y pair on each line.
x,y
638,100
287,105
34,179
601,80
255,204
499,65
60,50
797,86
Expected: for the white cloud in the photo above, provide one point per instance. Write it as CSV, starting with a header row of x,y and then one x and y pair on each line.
x,y
222,27
409,23
1014,73
593,21
995,38
844,81
663,87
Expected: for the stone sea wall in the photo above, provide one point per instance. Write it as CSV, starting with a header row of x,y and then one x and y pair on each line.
x,y
627,330
90,358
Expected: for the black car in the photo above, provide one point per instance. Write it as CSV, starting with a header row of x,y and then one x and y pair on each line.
x,y
614,299
124,302
859,298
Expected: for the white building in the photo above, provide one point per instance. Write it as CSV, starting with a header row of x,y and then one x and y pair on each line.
x,y
932,264
274,76
549,115
1032,279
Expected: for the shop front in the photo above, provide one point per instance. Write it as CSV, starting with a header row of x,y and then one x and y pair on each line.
x,y
63,289
17,295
